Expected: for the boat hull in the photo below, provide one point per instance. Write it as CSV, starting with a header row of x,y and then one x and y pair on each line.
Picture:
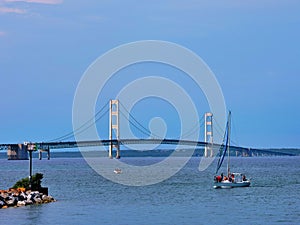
x,y
227,184
117,171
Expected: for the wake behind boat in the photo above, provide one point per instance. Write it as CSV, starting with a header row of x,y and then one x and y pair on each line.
x,y
231,180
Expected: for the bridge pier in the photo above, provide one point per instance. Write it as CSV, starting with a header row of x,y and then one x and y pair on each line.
x,y
44,150
17,152
110,153
114,146
118,151
208,134
114,128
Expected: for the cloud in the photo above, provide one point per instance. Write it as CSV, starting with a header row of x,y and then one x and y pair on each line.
x,y
11,10
50,2
4,9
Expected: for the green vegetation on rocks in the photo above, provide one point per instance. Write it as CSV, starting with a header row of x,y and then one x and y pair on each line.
x,y
36,182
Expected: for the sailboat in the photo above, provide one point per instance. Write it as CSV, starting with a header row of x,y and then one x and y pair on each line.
x,y
230,180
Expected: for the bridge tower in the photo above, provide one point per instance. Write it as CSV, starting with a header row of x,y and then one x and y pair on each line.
x,y
114,128
208,134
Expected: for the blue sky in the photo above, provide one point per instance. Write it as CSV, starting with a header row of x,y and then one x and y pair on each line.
x,y
251,46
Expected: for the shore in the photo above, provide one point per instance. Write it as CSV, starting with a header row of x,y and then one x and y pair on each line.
x,y
20,197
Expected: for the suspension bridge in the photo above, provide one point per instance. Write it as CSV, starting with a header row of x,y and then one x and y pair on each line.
x,y
114,142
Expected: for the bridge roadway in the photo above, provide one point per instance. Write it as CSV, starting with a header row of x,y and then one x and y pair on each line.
x,y
76,144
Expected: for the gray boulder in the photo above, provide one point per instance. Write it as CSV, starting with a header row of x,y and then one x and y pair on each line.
x,y
21,203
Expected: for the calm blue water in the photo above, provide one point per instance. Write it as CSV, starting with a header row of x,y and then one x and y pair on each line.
x,y
84,197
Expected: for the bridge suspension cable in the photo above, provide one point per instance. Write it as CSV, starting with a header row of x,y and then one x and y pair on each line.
x,y
235,141
218,128
145,131
221,132
139,126
83,127
193,129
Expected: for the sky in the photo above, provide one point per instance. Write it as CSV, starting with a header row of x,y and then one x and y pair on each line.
x,y
252,47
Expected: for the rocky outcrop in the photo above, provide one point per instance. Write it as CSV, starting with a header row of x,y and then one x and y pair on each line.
x,y
20,197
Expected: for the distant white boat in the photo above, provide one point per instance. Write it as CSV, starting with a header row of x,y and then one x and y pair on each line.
x,y
231,180
117,171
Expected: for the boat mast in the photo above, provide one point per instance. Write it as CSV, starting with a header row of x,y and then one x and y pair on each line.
x,y
228,142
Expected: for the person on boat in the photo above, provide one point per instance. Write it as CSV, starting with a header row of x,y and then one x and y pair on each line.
x,y
218,178
232,177
244,177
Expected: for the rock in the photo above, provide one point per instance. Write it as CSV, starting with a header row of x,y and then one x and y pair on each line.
x,y
22,197
44,197
4,195
12,201
21,203
29,197
37,200
1,198
18,197
2,204
28,202
47,199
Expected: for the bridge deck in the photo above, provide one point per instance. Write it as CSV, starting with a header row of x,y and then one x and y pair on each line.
x,y
76,144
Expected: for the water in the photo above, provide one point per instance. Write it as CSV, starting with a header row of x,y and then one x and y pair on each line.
x,y
84,197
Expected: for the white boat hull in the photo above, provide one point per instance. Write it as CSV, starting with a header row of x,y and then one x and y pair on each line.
x,y
227,184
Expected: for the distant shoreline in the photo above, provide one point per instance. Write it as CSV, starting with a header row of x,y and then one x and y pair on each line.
x,y
160,153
